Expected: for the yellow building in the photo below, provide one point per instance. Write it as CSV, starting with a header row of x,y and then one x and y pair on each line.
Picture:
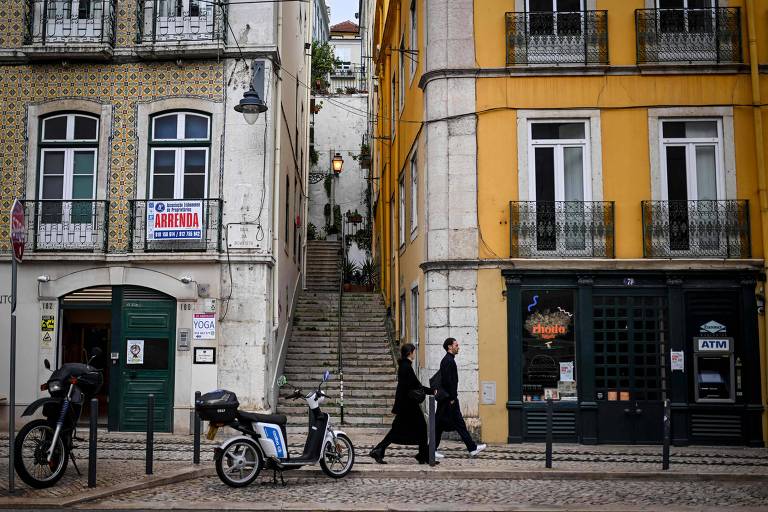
x,y
574,190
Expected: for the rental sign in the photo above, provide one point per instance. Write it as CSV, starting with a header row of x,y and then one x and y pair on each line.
x,y
174,220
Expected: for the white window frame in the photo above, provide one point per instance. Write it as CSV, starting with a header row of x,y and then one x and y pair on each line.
x,y
403,323
414,37
69,175
392,107
559,145
180,152
690,145
414,194
401,72
401,211
414,334
526,180
657,115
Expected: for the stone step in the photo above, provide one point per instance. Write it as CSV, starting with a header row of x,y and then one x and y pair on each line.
x,y
350,384
348,418
348,377
360,435
358,360
298,367
334,410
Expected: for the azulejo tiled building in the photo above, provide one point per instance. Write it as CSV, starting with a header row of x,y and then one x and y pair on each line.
x,y
576,190
160,221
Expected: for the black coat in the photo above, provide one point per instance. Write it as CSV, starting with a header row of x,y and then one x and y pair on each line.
x,y
409,426
449,416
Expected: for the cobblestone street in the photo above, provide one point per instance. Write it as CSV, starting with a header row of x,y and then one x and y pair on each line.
x,y
504,477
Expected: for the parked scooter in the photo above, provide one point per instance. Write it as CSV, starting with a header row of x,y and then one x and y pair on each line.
x,y
239,460
44,446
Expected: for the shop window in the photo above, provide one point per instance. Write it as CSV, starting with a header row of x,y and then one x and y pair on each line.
x,y
179,154
549,345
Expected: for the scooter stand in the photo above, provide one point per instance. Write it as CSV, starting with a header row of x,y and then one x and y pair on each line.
x,y
72,457
274,478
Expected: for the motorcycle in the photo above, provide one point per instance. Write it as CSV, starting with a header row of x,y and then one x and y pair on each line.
x,y
44,446
240,459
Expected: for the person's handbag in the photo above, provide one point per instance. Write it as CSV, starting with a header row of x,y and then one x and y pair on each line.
x,y
417,395
436,382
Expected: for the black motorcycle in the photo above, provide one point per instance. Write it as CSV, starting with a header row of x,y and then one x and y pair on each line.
x,y
44,446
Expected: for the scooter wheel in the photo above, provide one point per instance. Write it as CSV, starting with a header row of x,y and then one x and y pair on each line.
x,y
239,463
338,457
31,462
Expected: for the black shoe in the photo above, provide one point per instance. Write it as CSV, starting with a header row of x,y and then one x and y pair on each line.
x,y
377,456
424,461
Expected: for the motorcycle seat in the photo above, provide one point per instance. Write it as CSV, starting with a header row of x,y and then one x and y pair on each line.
x,y
277,419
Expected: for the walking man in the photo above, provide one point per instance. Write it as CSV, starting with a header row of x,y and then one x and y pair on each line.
x,y
448,415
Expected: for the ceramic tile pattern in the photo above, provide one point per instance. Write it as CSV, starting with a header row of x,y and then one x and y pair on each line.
x,y
123,86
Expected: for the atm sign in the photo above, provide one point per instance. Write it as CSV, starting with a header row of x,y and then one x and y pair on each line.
x,y
714,344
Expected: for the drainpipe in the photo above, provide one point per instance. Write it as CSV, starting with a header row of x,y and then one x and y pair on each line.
x,y
275,331
761,176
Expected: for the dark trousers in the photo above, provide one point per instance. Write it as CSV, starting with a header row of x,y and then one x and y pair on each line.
x,y
389,439
449,418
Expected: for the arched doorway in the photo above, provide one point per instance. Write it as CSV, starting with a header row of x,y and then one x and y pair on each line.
x,y
135,328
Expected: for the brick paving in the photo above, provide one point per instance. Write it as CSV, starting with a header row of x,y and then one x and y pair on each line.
x,y
504,475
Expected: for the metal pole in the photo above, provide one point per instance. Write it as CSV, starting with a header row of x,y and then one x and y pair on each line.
x,y
548,462
667,432
92,442
12,391
150,431
432,436
196,445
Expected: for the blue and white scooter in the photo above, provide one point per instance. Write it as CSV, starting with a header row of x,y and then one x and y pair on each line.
x,y
239,460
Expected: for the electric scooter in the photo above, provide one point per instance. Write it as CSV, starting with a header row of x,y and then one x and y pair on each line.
x,y
240,459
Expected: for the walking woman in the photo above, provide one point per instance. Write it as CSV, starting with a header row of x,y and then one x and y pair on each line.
x,y
409,426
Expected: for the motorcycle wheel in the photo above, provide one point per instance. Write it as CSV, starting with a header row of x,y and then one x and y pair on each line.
x,y
31,460
240,463
338,457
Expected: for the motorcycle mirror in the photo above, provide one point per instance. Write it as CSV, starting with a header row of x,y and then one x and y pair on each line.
x,y
47,364
326,376
96,352
281,381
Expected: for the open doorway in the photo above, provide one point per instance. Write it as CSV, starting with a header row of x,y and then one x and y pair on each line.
x,y
87,324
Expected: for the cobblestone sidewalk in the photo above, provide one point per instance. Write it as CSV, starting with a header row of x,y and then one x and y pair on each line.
x,y
741,474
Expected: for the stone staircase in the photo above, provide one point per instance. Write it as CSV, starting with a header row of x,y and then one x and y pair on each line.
x,y
323,260
369,374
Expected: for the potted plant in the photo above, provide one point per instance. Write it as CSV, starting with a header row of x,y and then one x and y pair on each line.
x,y
354,217
365,156
348,271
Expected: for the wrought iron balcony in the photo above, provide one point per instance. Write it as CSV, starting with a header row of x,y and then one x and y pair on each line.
x,y
689,35
66,226
557,37
561,229
175,225
691,229
69,28
348,81
167,24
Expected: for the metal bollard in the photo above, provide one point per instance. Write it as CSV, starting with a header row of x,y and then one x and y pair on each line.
x,y
432,436
667,435
548,458
94,424
196,439
150,431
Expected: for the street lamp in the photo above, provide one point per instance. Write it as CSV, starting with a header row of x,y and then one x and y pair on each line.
x,y
337,163
251,106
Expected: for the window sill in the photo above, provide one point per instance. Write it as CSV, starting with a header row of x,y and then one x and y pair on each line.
x,y
71,49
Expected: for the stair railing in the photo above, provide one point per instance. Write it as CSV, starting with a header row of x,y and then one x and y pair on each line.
x,y
392,338
338,347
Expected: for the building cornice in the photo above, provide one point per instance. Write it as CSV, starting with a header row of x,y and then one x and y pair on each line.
x,y
580,70
640,264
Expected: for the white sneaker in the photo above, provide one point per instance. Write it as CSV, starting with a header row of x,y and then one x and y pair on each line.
x,y
439,455
477,450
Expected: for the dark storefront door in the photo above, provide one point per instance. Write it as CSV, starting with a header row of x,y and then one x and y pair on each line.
x,y
147,343
630,337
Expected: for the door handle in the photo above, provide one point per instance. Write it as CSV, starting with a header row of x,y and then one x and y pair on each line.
x,y
638,411
626,411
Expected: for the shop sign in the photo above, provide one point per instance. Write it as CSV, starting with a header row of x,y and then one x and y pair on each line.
x,y
135,352
174,220
548,325
713,327
204,326
714,344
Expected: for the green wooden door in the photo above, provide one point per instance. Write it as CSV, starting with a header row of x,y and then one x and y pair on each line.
x,y
147,343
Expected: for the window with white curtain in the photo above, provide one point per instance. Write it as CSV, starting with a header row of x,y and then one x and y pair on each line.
x,y
691,160
402,317
401,215
415,315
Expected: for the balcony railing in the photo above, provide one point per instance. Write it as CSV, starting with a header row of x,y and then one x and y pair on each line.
x,y
688,35
69,22
175,225
66,226
348,81
561,229
557,37
690,229
174,21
